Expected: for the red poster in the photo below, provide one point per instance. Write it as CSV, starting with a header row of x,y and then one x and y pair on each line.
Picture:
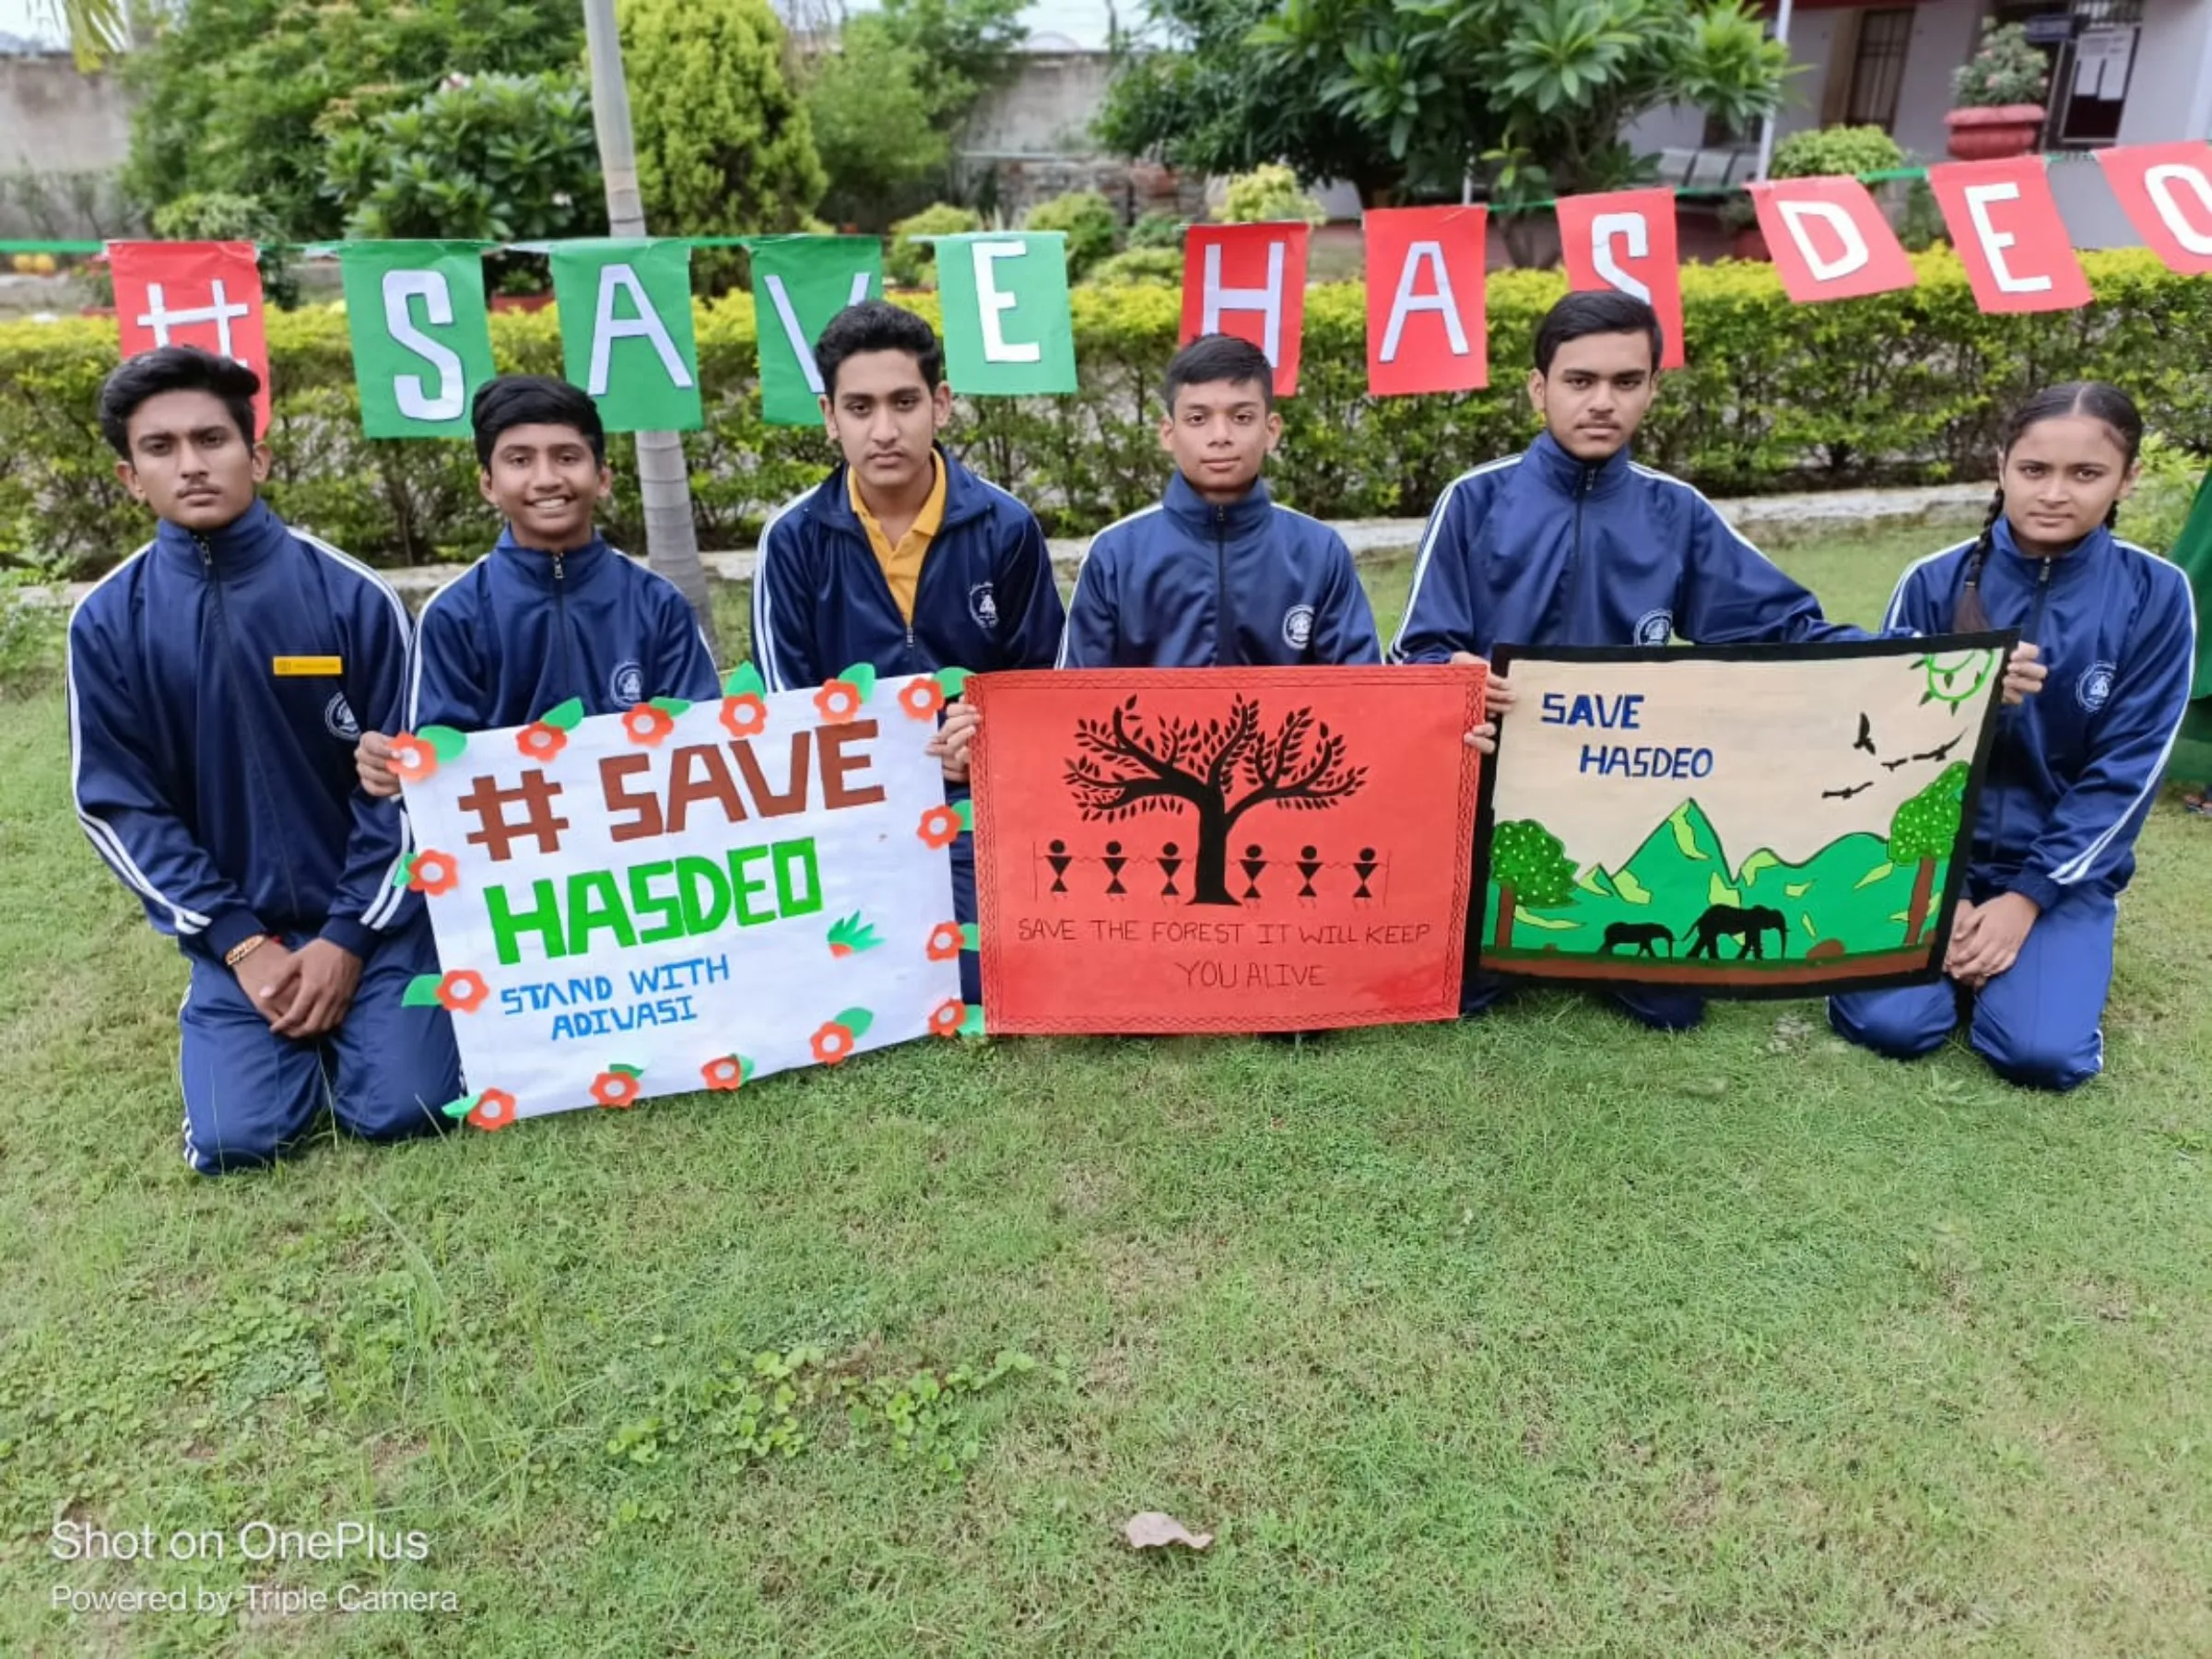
x,y
205,294
2004,223
1223,850
1425,329
1625,239
1249,281
1828,240
2167,190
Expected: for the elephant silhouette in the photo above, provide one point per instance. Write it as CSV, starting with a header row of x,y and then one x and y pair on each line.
x,y
1748,927
1642,934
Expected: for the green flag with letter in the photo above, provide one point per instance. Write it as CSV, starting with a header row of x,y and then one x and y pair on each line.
x,y
2191,760
626,331
799,283
1009,331
421,334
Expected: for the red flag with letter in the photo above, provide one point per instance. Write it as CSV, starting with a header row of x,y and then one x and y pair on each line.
x,y
2167,191
204,294
1249,281
1625,239
1828,240
1425,300
2004,223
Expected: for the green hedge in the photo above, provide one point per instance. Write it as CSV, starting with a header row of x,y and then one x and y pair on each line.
x,y
1905,387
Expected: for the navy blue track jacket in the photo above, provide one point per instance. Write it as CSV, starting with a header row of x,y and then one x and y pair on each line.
x,y
1192,584
984,602
1543,549
217,684
521,631
2075,768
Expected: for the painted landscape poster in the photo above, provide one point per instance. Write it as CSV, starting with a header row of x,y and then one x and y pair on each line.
x,y
1750,821
1223,850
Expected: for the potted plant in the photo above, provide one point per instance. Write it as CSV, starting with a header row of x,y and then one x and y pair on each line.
x,y
1740,220
1999,94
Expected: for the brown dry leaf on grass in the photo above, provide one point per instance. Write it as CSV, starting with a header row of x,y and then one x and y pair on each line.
x,y
1153,1529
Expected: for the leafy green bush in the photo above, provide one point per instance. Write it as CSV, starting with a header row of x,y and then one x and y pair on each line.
x,y
913,263
1086,219
1140,265
1155,230
218,216
2006,68
1905,387
1265,195
1830,152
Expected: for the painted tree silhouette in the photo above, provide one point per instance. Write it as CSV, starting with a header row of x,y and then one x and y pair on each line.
x,y
1530,865
1926,828
1219,768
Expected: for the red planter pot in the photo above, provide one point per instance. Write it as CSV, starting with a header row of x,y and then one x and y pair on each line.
x,y
1749,242
520,302
1992,134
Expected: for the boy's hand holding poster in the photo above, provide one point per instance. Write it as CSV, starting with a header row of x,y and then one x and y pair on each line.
x,y
1218,850
685,896
1748,821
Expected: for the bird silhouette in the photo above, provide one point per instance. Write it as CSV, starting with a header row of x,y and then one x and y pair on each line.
x,y
1866,735
1845,795
1938,754
1893,765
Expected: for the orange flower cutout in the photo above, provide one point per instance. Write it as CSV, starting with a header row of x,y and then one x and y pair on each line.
x,y
945,942
463,991
837,702
540,741
647,724
494,1110
947,1018
433,873
412,758
744,715
921,698
940,827
615,1088
832,1043
725,1073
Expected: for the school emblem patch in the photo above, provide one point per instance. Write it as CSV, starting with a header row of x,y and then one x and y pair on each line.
x,y
338,721
626,685
1298,626
2094,689
983,604
1656,627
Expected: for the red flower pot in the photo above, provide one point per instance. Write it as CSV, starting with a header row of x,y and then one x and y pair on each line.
x,y
1749,242
1991,135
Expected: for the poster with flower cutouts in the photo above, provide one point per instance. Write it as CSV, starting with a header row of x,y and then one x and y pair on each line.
x,y
686,895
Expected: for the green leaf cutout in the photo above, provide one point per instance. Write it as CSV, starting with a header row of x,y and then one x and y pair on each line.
x,y
854,934
423,991
462,1107
965,812
627,1071
445,743
971,938
743,680
406,873
746,1068
674,707
972,1023
861,676
953,681
855,1020
562,717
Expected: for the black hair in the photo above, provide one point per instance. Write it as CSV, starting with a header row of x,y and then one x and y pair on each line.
x,y
175,368
1602,311
2096,399
1217,358
508,401
877,326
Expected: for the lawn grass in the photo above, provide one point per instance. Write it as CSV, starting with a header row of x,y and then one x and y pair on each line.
x,y
1535,1335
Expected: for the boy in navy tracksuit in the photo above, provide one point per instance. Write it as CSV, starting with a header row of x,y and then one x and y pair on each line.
x,y
901,559
1218,575
216,680
551,612
2073,773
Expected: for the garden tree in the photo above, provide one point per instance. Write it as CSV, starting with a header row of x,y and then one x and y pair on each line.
x,y
1530,865
1219,769
724,145
870,119
241,96
1925,830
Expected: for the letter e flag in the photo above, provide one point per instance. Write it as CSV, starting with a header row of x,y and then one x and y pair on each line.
x,y
1425,318
2004,223
626,331
1249,281
204,294
1009,332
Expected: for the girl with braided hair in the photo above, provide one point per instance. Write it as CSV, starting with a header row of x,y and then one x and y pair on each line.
x,y
2073,771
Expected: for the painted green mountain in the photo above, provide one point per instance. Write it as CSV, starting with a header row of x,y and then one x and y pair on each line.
x,y
1848,893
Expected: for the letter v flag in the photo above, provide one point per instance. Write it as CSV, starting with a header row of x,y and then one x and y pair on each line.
x,y
1009,332
799,283
626,331
204,294
1426,330
1828,240
421,335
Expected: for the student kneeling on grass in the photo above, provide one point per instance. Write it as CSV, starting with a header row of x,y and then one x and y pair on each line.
x,y
2073,773
215,679
552,612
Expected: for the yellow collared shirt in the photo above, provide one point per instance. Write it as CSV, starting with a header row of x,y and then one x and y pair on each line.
x,y
902,564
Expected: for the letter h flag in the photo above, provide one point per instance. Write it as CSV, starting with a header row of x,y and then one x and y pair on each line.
x,y
1249,281
204,294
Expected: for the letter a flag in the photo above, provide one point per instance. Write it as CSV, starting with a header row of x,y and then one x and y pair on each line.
x,y
1425,329
421,336
2004,223
2167,190
1249,281
204,294
626,331
1830,239
1625,239
1009,332
799,283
